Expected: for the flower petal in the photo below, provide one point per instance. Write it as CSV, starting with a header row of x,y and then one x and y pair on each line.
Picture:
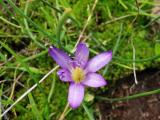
x,y
94,80
61,58
82,54
98,61
76,95
64,75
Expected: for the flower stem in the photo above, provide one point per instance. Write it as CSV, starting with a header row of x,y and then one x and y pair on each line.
x,y
65,110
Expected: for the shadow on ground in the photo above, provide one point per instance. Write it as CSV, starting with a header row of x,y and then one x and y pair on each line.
x,y
145,108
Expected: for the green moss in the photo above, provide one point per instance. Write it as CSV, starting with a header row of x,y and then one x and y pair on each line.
x,y
102,35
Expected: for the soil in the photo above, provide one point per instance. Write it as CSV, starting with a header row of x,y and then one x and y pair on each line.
x,y
144,108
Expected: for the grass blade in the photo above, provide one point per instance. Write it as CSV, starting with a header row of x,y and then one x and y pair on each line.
x,y
90,115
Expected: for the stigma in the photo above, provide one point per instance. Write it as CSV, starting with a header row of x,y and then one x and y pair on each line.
x,y
77,74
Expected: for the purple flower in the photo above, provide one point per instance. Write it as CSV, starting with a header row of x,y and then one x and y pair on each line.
x,y
80,71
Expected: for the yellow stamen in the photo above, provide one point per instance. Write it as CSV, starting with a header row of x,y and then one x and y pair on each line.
x,y
77,74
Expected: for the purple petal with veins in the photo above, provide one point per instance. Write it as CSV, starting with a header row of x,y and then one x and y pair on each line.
x,y
98,61
61,58
75,95
81,54
64,75
94,80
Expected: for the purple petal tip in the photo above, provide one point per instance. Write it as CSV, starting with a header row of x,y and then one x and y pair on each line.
x,y
73,106
110,52
99,61
94,80
51,47
76,95
59,56
82,43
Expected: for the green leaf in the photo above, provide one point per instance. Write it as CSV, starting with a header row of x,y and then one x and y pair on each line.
x,y
134,96
89,113
34,108
157,50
